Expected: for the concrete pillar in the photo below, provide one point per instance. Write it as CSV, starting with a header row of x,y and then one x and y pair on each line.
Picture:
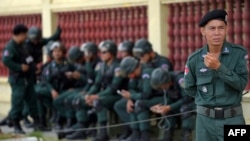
x,y
157,26
49,20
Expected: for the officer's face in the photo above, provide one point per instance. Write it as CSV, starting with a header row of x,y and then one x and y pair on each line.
x,y
57,53
135,73
145,58
23,37
123,54
105,55
215,32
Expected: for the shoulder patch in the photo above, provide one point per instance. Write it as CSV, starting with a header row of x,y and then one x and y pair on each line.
x,y
47,72
98,66
181,82
186,70
117,72
117,69
165,66
145,76
6,53
246,57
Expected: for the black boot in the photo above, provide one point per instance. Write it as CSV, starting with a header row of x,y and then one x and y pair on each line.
x,y
78,135
53,117
27,123
70,123
59,123
17,127
186,135
168,135
40,124
135,136
4,121
125,133
102,134
145,136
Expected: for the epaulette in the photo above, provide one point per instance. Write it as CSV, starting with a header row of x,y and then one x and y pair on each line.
x,y
238,46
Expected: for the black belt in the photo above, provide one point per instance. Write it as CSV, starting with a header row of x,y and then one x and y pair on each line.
x,y
219,112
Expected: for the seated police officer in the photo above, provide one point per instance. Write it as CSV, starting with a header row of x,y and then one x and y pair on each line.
x,y
102,95
91,58
175,100
140,96
58,77
143,50
125,49
78,77
41,88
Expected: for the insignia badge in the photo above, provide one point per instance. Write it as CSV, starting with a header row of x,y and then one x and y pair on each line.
x,y
97,67
117,71
6,53
29,59
164,66
181,82
203,55
186,70
204,89
226,50
246,57
145,76
90,81
47,72
203,69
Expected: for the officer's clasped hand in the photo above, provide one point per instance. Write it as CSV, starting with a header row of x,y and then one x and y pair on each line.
x,y
211,61
25,67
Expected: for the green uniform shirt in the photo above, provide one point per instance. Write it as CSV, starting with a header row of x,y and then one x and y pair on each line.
x,y
141,87
56,77
107,86
222,87
176,94
9,54
159,61
14,55
91,70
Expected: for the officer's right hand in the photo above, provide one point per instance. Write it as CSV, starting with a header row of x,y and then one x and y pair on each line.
x,y
54,94
25,67
130,106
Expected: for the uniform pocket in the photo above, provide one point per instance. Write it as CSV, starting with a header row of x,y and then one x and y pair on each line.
x,y
204,85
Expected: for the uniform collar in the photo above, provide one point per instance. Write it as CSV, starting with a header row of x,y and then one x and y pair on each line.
x,y
155,58
226,49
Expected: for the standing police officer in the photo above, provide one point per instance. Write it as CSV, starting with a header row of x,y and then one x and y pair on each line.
x,y
34,44
22,76
216,76
175,101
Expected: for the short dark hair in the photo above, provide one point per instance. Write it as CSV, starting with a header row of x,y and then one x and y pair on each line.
x,y
19,29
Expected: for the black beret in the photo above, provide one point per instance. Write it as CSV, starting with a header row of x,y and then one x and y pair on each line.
x,y
215,14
